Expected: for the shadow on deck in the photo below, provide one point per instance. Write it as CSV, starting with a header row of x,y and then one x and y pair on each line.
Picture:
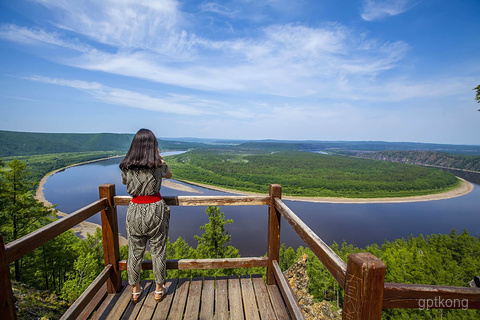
x,y
230,297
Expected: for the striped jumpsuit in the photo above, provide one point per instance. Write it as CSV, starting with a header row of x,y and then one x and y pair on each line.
x,y
146,221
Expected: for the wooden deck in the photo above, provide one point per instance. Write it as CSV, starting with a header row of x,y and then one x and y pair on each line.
x,y
233,297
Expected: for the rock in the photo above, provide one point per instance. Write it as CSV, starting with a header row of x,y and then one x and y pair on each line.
x,y
298,280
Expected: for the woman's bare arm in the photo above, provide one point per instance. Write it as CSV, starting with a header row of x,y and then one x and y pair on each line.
x,y
168,174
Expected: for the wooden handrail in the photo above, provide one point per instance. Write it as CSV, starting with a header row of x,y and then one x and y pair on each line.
x,y
193,264
364,271
204,200
20,247
404,295
82,301
334,264
287,292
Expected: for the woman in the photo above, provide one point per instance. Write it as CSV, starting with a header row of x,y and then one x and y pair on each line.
x,y
147,216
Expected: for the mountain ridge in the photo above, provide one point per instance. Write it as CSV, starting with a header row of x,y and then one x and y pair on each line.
x,y
16,143
13,143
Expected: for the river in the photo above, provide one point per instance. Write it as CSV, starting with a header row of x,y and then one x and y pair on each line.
x,y
359,224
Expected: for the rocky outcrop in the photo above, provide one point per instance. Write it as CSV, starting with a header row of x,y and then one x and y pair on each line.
x,y
298,280
428,158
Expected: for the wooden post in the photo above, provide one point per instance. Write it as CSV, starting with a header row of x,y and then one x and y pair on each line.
x,y
364,287
111,251
7,302
274,216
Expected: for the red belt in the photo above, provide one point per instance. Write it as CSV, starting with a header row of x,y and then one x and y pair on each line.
x,y
147,199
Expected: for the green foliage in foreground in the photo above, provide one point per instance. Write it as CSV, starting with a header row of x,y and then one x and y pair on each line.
x,y
450,260
36,304
309,174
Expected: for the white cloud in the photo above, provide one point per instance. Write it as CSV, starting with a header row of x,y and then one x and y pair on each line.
x,y
219,8
147,24
37,36
175,104
16,98
379,9
76,84
290,60
247,10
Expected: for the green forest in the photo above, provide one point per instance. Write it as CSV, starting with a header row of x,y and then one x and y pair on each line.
x,y
309,174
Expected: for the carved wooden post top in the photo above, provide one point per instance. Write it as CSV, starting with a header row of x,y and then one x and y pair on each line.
x,y
364,287
366,259
275,191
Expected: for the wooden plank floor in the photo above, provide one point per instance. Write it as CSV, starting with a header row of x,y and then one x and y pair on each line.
x,y
233,297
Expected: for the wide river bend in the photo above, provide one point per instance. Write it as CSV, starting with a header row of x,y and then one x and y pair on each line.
x,y
359,224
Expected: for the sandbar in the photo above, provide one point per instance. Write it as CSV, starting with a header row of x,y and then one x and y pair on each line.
x,y
464,188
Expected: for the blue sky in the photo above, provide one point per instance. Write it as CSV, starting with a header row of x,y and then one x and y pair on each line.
x,y
395,70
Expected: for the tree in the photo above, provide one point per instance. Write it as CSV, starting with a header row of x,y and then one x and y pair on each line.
x,y
477,97
213,242
20,212
3,194
287,257
83,274
52,262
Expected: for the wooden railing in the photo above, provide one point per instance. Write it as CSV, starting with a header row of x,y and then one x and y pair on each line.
x,y
362,277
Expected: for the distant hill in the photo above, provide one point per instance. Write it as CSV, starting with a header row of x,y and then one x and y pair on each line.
x,y
353,147
30,143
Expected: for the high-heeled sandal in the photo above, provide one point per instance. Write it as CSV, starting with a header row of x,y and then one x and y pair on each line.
x,y
136,295
161,294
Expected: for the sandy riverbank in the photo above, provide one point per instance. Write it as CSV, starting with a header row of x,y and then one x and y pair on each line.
x,y
464,188
84,227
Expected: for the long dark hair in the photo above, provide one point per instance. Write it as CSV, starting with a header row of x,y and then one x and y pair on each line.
x,y
143,152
